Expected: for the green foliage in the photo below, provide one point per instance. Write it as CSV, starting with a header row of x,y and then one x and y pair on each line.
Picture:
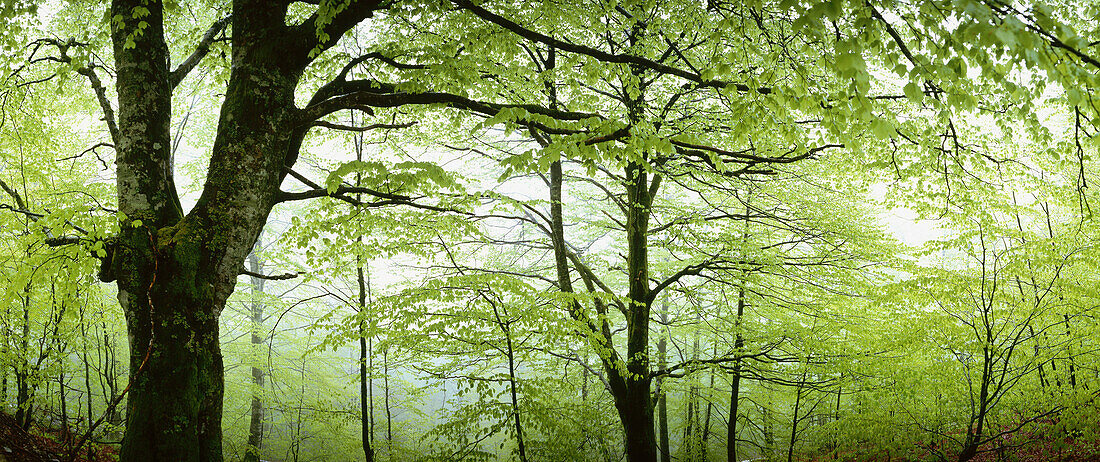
x,y
781,132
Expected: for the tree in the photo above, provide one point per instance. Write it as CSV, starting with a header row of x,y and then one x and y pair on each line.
x,y
176,269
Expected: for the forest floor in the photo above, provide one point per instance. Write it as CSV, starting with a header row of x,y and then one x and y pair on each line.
x,y
43,445
1047,445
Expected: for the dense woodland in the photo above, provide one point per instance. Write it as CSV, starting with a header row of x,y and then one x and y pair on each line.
x,y
641,230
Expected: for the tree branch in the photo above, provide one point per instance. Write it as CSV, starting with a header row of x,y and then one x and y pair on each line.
x,y
270,277
201,50
338,95
321,32
14,194
599,54
349,128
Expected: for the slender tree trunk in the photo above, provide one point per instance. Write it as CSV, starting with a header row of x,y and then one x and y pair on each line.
x,y
1035,351
794,419
87,369
389,414
366,366
768,430
662,423
364,373
1072,366
505,328
24,390
836,417
689,443
662,394
110,378
66,435
709,413
692,439
735,388
256,414
977,423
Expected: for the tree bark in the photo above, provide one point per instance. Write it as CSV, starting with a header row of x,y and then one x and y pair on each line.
x,y
634,401
506,329
175,272
256,414
662,398
795,419
735,389
24,391
389,413
366,418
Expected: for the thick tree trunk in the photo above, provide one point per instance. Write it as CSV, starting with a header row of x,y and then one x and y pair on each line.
x,y
24,415
635,408
175,400
634,401
175,273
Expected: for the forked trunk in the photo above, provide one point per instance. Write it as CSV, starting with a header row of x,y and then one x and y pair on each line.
x,y
176,272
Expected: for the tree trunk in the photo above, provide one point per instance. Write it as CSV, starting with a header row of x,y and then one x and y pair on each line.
x,y
636,413
1072,366
256,419
662,398
768,430
389,414
24,390
977,422
836,417
794,420
506,329
634,402
366,418
174,272
735,389
709,412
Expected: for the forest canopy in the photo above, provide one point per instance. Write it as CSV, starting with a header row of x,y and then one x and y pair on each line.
x,y
547,230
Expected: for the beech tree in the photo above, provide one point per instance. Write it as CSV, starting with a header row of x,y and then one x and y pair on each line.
x,y
175,270
650,89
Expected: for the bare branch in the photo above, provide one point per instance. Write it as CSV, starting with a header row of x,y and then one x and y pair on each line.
x,y
14,194
270,277
349,128
101,96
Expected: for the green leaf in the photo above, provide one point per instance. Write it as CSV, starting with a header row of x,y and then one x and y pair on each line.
x,y
913,92
883,129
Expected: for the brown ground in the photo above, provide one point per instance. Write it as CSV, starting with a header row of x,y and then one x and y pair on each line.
x,y
41,445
